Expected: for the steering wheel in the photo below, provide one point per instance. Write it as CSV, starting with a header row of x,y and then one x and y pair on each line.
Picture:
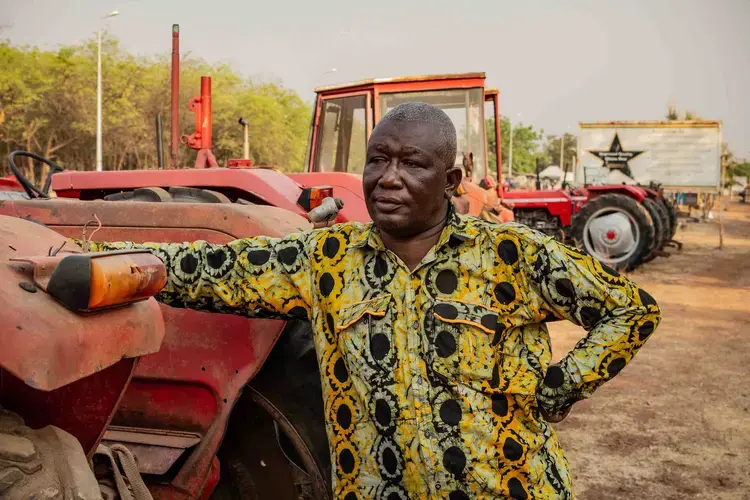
x,y
32,190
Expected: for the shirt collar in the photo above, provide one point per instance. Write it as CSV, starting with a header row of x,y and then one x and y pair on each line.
x,y
456,229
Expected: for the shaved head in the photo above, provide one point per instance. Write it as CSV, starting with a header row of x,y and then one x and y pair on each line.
x,y
410,173
438,121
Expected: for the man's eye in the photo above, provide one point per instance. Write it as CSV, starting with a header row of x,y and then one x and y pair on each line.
x,y
409,163
377,160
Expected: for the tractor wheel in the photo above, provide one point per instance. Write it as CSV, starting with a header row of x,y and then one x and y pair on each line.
x,y
663,214
672,213
42,463
276,444
660,224
615,229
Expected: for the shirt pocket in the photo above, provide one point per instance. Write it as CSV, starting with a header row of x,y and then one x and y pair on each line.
x,y
366,340
460,345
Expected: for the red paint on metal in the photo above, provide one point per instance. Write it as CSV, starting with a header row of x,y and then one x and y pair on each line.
x,y
83,408
266,185
636,192
175,109
498,142
171,389
10,183
201,138
557,202
211,481
346,186
611,235
239,163
50,350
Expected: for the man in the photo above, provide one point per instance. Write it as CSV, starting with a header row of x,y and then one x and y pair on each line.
x,y
429,326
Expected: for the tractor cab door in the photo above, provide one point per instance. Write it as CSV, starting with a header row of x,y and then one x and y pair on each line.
x,y
341,126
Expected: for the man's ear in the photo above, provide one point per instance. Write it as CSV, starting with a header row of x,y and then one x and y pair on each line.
x,y
452,180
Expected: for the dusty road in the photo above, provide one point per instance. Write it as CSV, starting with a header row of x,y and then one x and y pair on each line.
x,y
675,424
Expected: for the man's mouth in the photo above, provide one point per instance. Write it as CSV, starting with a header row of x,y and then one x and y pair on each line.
x,y
387,205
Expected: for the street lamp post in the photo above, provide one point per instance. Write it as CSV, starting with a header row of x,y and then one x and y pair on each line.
x,y
510,148
99,93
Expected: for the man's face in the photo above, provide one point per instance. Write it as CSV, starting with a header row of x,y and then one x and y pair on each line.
x,y
406,184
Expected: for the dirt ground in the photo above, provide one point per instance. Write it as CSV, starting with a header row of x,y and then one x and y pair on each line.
x,y
675,424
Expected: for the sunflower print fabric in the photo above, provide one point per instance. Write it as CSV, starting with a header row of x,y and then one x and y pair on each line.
x,y
433,379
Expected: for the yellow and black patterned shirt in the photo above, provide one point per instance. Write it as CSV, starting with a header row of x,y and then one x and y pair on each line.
x,y
432,378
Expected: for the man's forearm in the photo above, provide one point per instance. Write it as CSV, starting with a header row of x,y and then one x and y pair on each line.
x,y
243,277
600,356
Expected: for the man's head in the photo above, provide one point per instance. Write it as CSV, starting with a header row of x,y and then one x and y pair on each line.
x,y
410,173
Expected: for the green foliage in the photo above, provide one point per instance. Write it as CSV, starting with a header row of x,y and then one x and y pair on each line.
x,y
673,115
526,141
552,151
48,106
742,169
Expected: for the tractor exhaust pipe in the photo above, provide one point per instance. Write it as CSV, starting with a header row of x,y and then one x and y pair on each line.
x,y
175,140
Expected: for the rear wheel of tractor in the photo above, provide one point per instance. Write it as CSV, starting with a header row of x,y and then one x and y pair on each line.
x,y
660,227
614,229
276,444
672,214
663,213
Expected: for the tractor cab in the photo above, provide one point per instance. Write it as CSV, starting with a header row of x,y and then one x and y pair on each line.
x,y
346,114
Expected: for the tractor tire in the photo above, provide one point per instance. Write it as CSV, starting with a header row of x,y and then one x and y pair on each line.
x,y
672,213
663,214
42,463
614,229
276,444
660,221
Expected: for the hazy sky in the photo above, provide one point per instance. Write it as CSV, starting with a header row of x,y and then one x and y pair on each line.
x,y
556,62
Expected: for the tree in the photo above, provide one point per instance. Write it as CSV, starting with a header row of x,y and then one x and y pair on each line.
x,y
673,115
742,169
552,151
48,106
525,145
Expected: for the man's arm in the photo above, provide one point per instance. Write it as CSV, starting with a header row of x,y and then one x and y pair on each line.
x,y
618,315
259,277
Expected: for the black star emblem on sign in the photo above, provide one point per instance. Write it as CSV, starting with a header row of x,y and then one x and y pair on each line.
x,y
616,158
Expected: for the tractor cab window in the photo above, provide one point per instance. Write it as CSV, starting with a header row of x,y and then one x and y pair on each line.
x,y
342,135
465,107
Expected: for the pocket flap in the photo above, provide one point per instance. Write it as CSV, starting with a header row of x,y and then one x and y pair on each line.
x,y
353,313
469,313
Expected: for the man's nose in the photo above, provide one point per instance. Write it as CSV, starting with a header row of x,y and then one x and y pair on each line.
x,y
391,179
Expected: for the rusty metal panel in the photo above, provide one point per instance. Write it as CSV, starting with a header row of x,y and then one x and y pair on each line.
x,y
48,346
206,359
429,79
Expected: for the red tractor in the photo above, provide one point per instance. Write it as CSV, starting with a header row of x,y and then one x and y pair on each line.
x,y
74,325
230,406
620,225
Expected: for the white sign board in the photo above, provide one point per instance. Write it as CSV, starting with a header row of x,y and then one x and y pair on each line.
x,y
678,155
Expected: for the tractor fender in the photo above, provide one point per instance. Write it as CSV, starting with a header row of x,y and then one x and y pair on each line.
x,y
59,367
635,192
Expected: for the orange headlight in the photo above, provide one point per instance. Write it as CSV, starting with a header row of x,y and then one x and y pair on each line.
x,y
90,281
312,197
